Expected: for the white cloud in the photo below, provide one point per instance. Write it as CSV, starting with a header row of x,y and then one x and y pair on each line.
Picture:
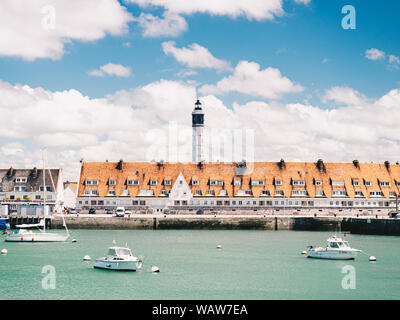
x,y
171,25
394,61
111,69
195,56
344,95
249,79
374,54
41,28
251,9
73,126
186,73
303,1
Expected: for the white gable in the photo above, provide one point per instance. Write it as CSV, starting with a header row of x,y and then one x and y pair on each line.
x,y
180,189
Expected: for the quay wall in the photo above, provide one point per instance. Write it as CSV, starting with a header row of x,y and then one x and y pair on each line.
x,y
363,225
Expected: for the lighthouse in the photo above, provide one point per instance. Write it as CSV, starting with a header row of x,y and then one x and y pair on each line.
x,y
197,125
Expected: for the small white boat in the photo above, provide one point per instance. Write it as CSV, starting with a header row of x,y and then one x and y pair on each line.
x,y
120,259
23,235
336,249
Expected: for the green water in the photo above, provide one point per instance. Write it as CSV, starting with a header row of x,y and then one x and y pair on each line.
x,y
251,265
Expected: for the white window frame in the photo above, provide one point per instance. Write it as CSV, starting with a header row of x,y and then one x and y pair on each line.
x,y
298,182
278,182
132,182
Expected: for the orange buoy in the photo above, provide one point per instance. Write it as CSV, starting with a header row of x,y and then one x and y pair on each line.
x,y
32,239
22,238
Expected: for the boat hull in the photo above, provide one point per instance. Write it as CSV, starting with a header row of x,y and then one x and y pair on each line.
x,y
331,254
115,265
36,237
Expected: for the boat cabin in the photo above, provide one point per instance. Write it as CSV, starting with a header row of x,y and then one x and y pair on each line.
x,y
119,251
337,243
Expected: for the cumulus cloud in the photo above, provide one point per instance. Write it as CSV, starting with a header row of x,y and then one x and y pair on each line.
x,y
137,125
171,25
344,95
374,54
249,79
251,9
302,1
111,69
41,28
195,56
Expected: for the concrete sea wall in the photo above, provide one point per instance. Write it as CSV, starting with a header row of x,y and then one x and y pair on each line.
x,y
354,225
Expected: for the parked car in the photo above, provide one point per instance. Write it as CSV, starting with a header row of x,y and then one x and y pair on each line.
x,y
109,211
129,212
120,212
92,211
72,211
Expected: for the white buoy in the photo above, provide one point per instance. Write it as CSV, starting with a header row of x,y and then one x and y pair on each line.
x,y
4,251
219,246
372,258
304,252
87,258
155,269
73,240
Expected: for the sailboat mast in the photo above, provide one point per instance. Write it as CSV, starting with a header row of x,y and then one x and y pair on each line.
x,y
44,192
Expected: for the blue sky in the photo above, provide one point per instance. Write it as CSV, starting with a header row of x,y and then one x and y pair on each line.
x,y
306,43
296,43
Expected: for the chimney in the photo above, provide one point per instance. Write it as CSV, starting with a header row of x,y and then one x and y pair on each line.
x,y
10,172
282,164
387,165
321,166
356,164
242,164
160,164
201,164
34,173
120,164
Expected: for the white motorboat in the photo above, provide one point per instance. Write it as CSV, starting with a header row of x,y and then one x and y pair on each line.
x,y
119,259
336,249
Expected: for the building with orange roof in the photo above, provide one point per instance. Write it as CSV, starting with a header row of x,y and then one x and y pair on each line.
x,y
266,187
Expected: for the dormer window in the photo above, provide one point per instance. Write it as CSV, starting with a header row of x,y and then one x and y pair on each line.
x,y
111,192
216,182
392,194
339,193
320,193
266,193
339,183
48,188
111,182
132,182
298,183
278,182
375,193
384,183
195,182
318,182
299,193
367,183
164,192
21,180
257,182
279,193
237,182
356,183
91,182
167,182
359,193
20,188
198,193
223,192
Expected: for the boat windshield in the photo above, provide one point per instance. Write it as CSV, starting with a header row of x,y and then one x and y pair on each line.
x,y
333,245
344,244
119,252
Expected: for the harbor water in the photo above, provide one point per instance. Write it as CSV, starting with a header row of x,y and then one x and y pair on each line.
x,y
249,265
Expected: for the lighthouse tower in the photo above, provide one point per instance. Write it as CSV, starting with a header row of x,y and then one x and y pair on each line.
x,y
197,125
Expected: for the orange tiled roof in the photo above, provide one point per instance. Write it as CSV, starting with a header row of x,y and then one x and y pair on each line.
x,y
267,171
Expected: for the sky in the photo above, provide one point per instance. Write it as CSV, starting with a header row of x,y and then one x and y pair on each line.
x,y
109,80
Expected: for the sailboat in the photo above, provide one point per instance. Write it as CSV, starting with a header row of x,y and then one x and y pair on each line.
x,y
24,235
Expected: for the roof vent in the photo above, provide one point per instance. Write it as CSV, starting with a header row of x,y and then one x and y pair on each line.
x,y
321,165
356,164
387,165
282,164
120,164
